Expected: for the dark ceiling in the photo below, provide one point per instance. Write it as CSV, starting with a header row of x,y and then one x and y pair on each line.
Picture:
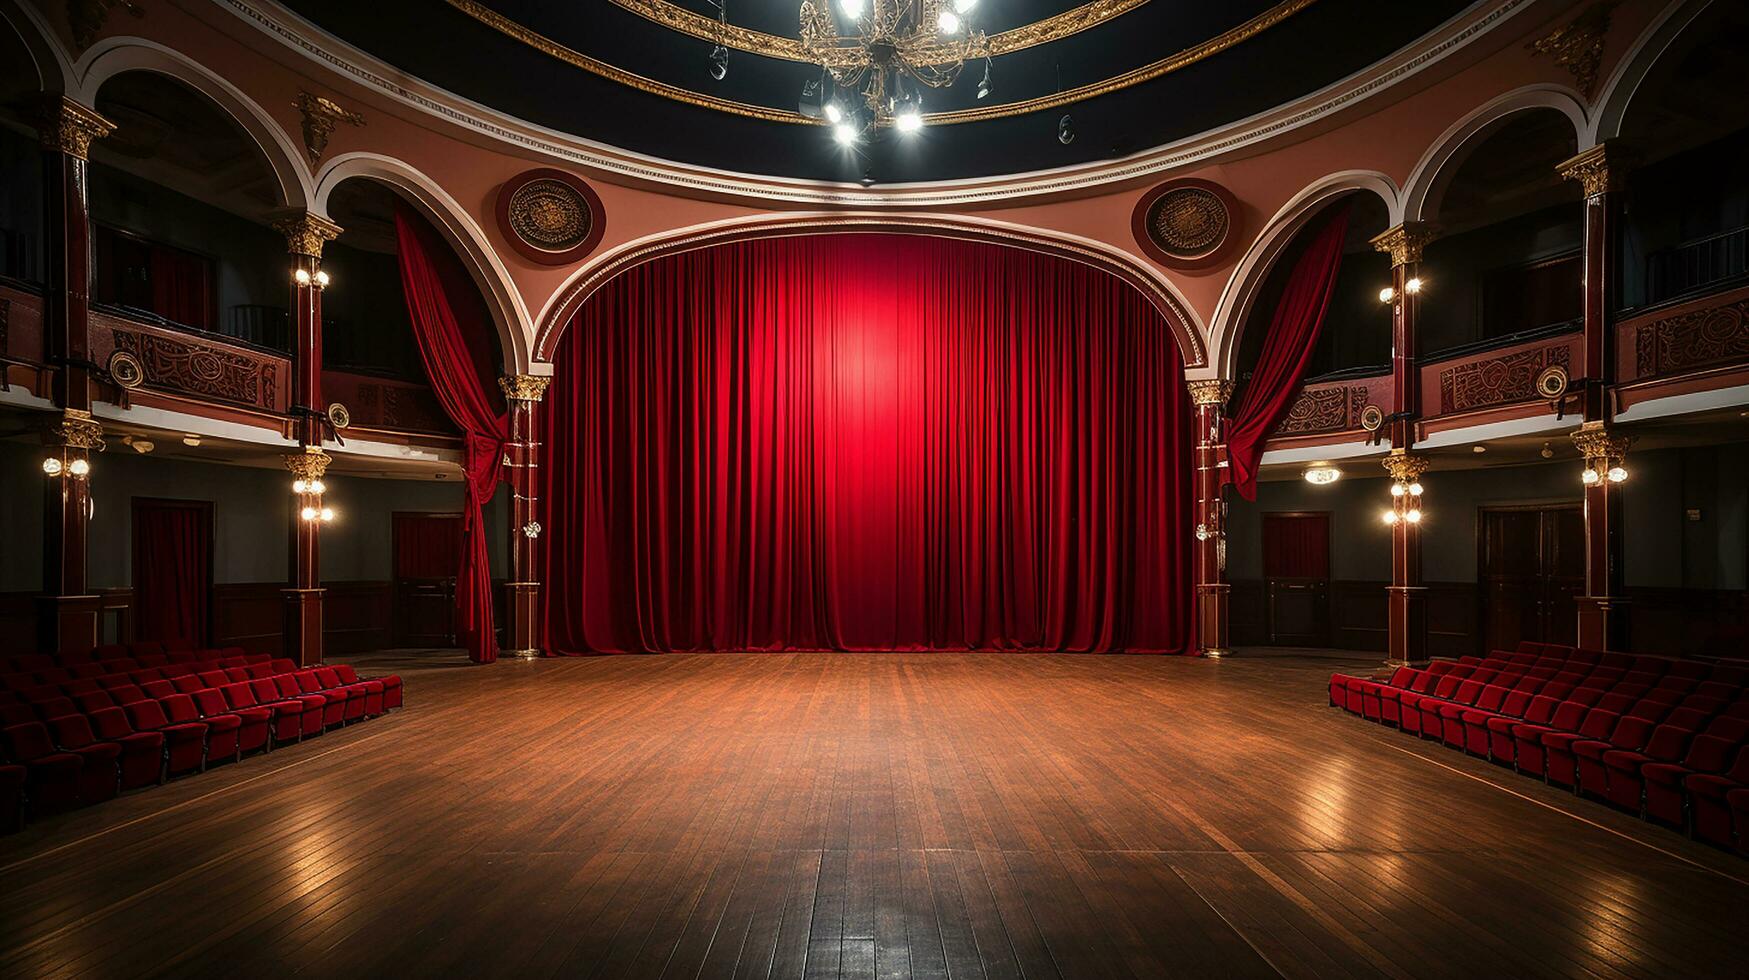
x,y
440,42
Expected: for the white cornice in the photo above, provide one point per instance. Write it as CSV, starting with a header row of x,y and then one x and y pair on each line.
x,y
317,45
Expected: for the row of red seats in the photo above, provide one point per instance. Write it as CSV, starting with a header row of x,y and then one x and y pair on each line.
x,y
83,740
12,680
1666,739
146,649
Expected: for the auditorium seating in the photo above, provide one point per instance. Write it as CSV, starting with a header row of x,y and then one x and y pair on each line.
x,y
1665,739
77,730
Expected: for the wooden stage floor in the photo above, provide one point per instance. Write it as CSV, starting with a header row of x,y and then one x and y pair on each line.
x,y
865,815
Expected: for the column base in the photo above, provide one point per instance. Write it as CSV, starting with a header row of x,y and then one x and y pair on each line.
x,y
1603,622
1212,619
523,600
303,626
68,623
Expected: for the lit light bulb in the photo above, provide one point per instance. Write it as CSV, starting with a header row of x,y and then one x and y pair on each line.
x,y
1412,286
1390,517
327,514
317,486
52,466
79,467
1414,516
308,513
1588,477
1397,490
1387,294
833,113
845,134
851,8
322,279
909,121
302,276
299,486
949,22
1414,489
1617,474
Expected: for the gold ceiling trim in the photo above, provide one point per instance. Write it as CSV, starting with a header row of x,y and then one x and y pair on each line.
x,y
1056,27
1165,66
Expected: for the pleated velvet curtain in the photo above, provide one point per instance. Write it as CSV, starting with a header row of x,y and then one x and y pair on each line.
x,y
866,442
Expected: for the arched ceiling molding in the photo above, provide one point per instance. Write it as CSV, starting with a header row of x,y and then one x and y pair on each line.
x,y
1426,185
119,55
509,314
54,70
329,53
569,298
1246,282
1624,81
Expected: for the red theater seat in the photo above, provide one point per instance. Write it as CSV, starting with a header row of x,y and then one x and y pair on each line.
x,y
221,730
52,777
100,762
12,779
142,753
184,743
1707,794
255,725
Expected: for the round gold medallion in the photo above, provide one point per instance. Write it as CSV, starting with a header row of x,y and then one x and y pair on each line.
x,y
1188,222
126,370
1552,381
549,215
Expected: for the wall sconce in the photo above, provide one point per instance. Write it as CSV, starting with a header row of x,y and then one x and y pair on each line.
x,y
1605,454
55,466
304,277
324,514
1406,488
309,486
1322,475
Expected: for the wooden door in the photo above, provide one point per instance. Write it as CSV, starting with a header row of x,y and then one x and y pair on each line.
x,y
427,556
1296,574
1530,568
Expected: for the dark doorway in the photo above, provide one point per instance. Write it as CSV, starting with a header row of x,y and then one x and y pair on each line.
x,y
173,571
428,549
1296,574
1530,566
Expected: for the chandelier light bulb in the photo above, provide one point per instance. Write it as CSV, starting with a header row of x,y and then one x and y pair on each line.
x,y
1588,477
833,113
845,134
1617,474
1397,490
1414,489
327,514
1390,517
52,466
302,276
1414,516
1387,294
322,279
79,467
308,513
1412,287
908,121
299,486
317,486
949,22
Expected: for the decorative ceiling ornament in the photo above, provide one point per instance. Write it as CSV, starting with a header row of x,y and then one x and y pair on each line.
x,y
901,47
1186,223
86,18
321,115
1171,63
550,216
1578,44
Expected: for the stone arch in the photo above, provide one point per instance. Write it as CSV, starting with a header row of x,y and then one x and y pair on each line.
x,y
1427,182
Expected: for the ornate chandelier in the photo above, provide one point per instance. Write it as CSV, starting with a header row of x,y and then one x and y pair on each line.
x,y
901,47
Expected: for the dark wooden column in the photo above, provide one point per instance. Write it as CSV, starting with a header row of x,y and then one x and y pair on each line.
x,y
305,234
1213,593
68,614
1406,597
1603,609
522,393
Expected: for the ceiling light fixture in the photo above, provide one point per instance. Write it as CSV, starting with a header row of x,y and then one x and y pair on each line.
x,y
1322,475
899,45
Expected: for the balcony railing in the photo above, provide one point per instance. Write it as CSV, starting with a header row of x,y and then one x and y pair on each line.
x,y
1695,265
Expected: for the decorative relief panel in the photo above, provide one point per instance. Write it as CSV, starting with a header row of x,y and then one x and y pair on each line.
x,y
1695,339
1324,410
550,216
200,369
1186,223
1497,380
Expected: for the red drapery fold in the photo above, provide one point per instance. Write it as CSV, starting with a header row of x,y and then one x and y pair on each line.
x,y
182,287
1296,546
426,545
866,443
173,571
1287,348
449,323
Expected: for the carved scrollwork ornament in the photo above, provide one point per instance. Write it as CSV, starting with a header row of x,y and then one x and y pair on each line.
x,y
524,387
1403,467
86,17
531,530
1599,445
1600,169
1578,44
78,430
70,127
1214,392
321,116
305,233
310,464
1405,242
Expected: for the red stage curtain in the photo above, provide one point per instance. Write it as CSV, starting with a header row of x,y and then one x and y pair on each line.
x,y
1293,336
426,545
1296,546
450,324
182,287
863,442
173,571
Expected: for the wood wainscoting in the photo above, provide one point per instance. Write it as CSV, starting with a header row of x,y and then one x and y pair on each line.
x,y
355,616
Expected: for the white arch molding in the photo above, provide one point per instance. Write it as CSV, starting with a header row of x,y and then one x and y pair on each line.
x,y
1246,281
119,55
54,72
1630,72
565,301
464,235
1426,185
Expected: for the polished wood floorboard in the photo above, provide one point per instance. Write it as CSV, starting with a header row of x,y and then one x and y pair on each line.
x,y
903,815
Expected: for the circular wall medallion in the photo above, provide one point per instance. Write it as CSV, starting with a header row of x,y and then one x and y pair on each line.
x,y
1371,417
1186,224
338,415
1552,381
550,216
126,370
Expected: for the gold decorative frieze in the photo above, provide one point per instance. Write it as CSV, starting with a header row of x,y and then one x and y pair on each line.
x,y
1577,45
310,464
86,18
78,430
321,115
305,233
1403,467
70,127
1209,392
1405,241
524,387
1601,169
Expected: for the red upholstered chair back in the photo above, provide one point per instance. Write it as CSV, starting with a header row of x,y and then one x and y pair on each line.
x,y
1598,723
1631,732
212,701
265,690
347,674
329,677
73,731
27,742
147,715
239,695
1565,716
111,723
180,708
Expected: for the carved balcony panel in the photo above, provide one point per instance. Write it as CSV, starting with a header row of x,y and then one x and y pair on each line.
x,y
200,367
1495,385
1684,347
386,403
1331,412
